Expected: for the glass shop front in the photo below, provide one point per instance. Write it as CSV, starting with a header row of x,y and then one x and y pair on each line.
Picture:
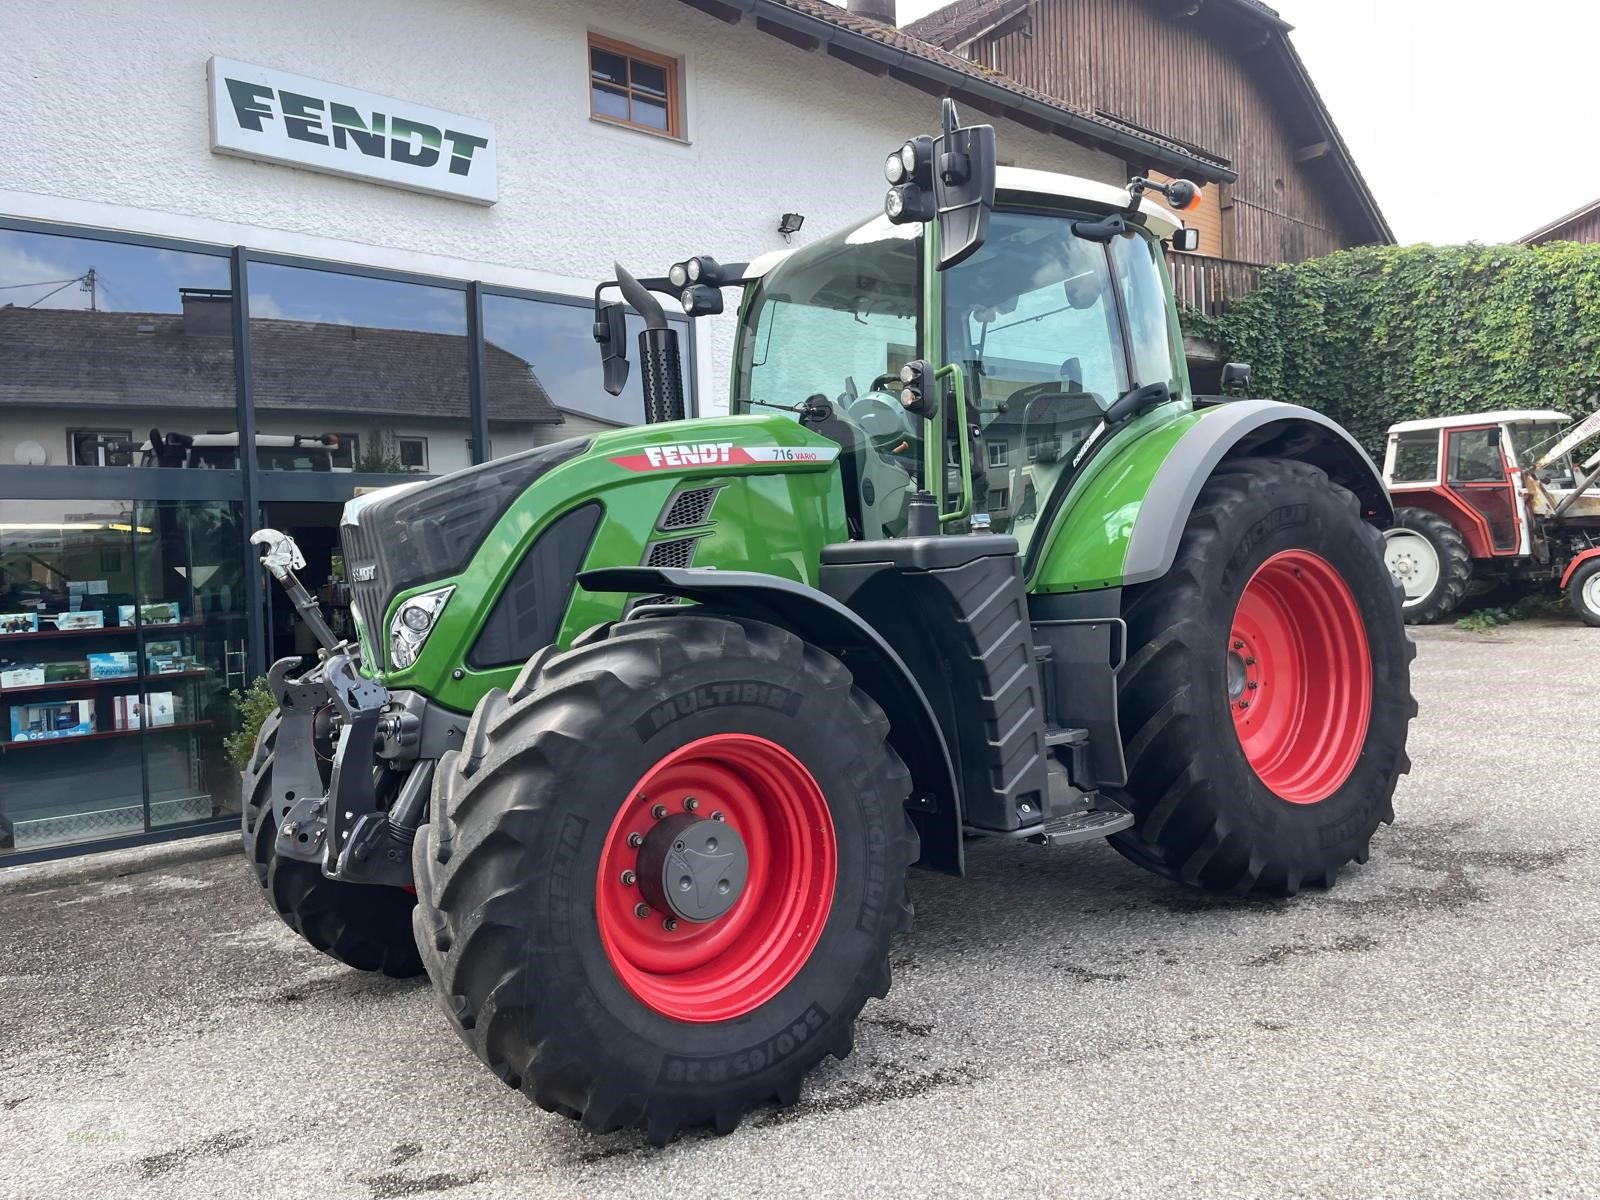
x,y
161,400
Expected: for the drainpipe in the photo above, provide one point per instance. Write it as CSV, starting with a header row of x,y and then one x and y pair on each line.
x,y
881,11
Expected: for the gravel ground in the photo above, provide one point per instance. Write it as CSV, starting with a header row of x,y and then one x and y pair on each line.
x,y
1061,1023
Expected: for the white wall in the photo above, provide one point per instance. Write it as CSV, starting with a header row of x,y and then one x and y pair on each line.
x,y
106,124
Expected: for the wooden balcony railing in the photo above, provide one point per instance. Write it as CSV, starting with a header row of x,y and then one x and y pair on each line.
x,y
1210,284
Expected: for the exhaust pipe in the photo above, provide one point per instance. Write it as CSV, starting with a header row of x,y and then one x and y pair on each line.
x,y
660,368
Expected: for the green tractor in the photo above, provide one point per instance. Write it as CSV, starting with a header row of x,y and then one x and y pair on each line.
x,y
644,730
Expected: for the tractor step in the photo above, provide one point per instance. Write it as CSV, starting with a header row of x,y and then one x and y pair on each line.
x,y
1081,827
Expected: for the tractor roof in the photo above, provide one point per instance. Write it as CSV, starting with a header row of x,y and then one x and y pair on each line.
x,y
1013,183
1504,416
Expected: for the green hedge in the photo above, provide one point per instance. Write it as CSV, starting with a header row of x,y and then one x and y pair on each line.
x,y
1386,333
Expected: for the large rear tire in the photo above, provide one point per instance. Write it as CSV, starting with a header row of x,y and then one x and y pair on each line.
x,y
1266,697
1429,558
362,926
551,919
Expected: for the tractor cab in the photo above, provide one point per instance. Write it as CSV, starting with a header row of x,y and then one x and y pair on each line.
x,y
1043,329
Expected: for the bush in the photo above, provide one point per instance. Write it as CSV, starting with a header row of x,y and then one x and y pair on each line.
x,y
1382,334
254,705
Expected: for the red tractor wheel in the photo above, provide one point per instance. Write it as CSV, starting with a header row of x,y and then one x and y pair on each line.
x,y
1266,695
660,880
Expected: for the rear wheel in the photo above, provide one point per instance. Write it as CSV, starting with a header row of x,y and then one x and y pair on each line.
x,y
1429,559
660,880
1583,589
1266,695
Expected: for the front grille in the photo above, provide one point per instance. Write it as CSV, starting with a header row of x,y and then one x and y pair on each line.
x,y
688,509
370,583
676,553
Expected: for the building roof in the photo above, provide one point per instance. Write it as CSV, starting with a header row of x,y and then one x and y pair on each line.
x,y
1499,417
72,358
963,21
1544,232
884,50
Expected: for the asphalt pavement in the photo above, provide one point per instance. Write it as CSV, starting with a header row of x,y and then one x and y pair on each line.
x,y
1061,1023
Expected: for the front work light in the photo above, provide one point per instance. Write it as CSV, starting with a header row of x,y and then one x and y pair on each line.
x,y
701,300
908,203
678,274
413,623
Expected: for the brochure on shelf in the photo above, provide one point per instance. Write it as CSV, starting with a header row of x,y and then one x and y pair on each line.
x,y
165,613
52,719
27,622
66,672
22,676
114,664
79,620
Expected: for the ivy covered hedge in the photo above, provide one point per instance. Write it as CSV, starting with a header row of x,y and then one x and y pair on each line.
x,y
1386,333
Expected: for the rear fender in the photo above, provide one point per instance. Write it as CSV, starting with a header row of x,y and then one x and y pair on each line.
x,y
818,618
1572,567
1244,428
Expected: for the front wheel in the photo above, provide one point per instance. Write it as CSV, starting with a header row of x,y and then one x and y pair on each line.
x,y
1430,560
1266,697
1583,589
660,879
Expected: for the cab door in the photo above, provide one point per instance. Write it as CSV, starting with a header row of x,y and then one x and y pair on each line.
x,y
1478,475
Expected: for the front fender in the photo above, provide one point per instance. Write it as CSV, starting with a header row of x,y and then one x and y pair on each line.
x,y
1123,525
915,734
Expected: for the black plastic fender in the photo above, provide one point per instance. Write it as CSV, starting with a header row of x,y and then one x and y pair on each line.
x,y
934,804
1238,428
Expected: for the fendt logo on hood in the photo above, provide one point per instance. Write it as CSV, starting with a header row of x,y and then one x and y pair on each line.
x,y
711,454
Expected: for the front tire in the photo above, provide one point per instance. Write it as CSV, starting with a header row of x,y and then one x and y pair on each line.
x,y
363,926
1428,557
1266,696
1583,590
552,929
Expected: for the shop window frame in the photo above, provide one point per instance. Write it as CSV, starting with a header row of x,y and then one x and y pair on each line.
x,y
249,485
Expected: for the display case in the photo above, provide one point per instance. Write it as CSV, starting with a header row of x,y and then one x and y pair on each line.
x,y
122,632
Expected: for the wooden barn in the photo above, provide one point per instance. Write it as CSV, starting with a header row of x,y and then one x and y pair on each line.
x,y
1219,77
1581,225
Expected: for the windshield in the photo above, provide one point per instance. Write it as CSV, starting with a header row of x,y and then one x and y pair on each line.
x,y
831,320
1530,440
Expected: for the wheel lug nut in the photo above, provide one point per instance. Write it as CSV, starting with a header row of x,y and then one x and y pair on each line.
x,y
690,804
641,909
628,878
659,811
1238,645
1252,685
1249,662
1244,704
636,840
670,925
717,816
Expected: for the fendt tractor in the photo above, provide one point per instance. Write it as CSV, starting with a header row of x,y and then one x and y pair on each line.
x,y
641,731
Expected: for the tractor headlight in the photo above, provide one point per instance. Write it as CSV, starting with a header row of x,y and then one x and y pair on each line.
x,y
693,268
894,169
679,275
412,624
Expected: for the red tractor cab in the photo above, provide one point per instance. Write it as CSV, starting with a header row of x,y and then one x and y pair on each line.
x,y
1492,499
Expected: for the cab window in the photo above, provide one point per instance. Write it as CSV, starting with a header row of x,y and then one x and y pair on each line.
x,y
1416,457
1475,456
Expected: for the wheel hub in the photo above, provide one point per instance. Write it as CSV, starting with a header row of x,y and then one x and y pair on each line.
x,y
695,869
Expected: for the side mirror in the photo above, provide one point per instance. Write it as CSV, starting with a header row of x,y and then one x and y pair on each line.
x,y
963,187
611,331
1236,379
1186,240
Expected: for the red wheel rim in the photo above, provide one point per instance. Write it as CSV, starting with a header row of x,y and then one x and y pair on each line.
x,y
723,968
1299,676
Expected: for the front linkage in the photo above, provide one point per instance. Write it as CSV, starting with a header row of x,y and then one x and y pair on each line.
x,y
358,823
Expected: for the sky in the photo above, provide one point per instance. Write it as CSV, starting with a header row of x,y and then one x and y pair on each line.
x,y
1472,121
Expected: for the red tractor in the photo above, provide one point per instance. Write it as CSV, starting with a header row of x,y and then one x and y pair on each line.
x,y
1490,499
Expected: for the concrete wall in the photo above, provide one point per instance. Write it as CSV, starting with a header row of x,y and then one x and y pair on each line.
x,y
106,125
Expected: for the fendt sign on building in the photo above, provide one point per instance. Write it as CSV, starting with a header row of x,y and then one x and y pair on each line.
x,y
257,112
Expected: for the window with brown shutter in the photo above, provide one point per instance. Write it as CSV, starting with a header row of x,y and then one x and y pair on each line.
x,y
633,87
